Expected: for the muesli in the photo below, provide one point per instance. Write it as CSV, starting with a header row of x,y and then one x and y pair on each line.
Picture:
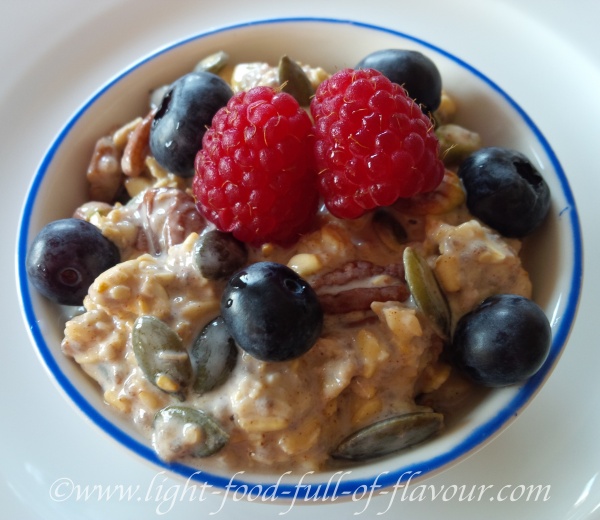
x,y
293,267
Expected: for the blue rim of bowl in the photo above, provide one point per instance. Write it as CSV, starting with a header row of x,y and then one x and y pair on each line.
x,y
311,490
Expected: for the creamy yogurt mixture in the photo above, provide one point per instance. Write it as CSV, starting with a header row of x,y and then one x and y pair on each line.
x,y
377,357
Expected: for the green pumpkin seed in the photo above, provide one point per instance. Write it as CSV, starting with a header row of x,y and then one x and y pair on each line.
x,y
389,230
211,436
426,291
456,143
294,81
218,254
390,435
214,354
213,63
161,355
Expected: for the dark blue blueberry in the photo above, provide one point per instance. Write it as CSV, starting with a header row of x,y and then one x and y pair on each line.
x,y
413,70
66,257
503,341
185,112
505,191
271,312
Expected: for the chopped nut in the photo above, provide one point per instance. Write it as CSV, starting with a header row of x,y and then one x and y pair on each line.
x,y
305,264
401,321
167,384
192,434
119,402
267,249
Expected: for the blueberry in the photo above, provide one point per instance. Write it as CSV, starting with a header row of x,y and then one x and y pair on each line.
x,y
503,341
413,70
66,257
505,191
271,312
186,110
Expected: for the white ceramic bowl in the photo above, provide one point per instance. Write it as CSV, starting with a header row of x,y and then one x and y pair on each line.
x,y
333,44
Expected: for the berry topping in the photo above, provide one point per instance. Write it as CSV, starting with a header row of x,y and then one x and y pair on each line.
x,y
66,257
373,143
411,69
505,191
271,312
254,175
185,111
503,341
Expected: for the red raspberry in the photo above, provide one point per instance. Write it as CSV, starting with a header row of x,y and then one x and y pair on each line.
x,y
373,143
254,175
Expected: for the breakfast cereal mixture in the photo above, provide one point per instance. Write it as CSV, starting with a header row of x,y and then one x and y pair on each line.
x,y
294,262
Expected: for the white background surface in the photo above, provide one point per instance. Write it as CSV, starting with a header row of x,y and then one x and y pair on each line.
x,y
54,54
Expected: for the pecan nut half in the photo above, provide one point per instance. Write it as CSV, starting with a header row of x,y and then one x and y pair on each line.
x,y
137,148
356,285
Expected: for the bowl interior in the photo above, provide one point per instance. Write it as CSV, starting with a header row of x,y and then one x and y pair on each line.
x,y
483,106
